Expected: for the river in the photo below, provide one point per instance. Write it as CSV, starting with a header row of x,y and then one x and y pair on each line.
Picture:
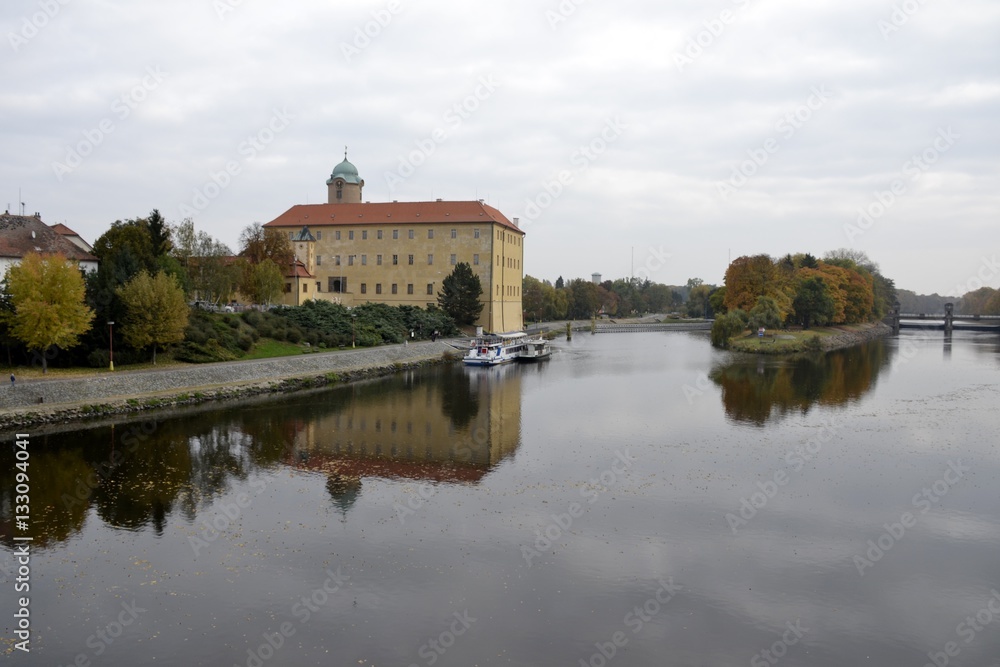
x,y
639,499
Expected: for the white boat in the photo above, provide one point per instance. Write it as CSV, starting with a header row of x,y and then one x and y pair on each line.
x,y
496,349
535,349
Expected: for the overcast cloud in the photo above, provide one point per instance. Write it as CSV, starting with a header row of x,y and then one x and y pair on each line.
x,y
700,129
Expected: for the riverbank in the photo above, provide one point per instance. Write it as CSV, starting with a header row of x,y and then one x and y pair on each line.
x,y
48,401
818,339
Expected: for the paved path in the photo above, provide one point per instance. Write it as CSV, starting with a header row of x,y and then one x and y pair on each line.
x,y
128,384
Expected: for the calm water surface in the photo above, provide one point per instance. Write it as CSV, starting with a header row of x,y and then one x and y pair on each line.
x,y
639,499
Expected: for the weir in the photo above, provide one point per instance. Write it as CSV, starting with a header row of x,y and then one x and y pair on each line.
x,y
945,322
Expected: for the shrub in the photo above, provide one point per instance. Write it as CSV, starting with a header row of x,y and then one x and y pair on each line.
x,y
726,326
813,344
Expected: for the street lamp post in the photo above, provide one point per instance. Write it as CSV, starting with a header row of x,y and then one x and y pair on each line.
x,y
353,317
111,343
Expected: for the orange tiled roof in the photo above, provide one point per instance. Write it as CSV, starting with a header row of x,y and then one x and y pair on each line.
x,y
60,228
391,213
298,270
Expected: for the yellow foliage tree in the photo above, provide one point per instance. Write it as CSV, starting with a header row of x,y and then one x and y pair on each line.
x,y
48,298
156,312
749,278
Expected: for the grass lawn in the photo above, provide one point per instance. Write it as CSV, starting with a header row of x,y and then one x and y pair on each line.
x,y
163,362
787,341
267,348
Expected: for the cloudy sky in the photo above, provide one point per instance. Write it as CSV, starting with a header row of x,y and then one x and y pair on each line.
x,y
659,138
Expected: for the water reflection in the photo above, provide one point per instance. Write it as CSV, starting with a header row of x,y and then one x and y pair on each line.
x,y
758,389
450,426
447,425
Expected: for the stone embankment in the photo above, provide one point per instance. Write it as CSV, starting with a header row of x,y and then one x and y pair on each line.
x,y
59,400
856,337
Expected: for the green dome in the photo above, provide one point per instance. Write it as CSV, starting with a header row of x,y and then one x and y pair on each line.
x,y
345,171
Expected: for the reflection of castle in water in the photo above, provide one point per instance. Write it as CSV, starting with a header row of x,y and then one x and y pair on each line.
x,y
451,425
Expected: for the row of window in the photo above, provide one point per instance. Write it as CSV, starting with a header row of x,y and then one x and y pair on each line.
x,y
512,262
339,285
351,259
511,238
411,233
394,288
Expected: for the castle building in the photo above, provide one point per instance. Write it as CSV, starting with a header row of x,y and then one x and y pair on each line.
x,y
351,252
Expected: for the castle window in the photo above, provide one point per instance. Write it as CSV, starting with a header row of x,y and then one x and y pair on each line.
x,y
411,259
378,260
319,260
288,288
430,288
430,259
336,260
430,233
350,235
305,287
409,288
364,234
452,260
378,288
475,260
364,260
395,260
395,234
454,233
336,235
379,234
410,233
319,236
475,233
395,288
364,288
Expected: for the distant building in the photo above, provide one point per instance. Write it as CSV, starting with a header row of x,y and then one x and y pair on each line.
x,y
24,234
399,253
595,278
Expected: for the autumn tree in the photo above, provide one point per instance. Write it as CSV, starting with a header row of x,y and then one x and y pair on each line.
x,y
156,311
48,299
459,295
212,275
749,278
258,243
261,282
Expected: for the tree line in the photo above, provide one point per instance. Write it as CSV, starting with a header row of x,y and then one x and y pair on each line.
x,y
137,301
583,299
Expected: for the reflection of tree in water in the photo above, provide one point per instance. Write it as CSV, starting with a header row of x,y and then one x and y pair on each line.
x,y
458,402
344,490
756,390
54,477
143,488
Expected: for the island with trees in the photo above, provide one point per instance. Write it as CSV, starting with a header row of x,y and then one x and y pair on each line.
x,y
791,296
